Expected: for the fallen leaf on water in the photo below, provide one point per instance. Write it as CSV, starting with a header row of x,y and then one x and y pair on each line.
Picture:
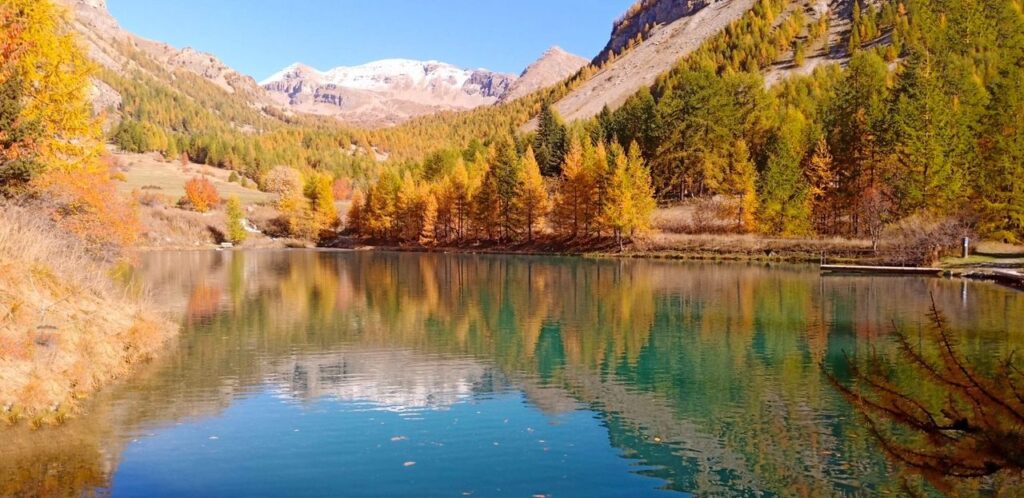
x,y
409,463
398,438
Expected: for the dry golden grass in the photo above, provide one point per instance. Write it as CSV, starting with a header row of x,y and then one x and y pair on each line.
x,y
149,173
65,329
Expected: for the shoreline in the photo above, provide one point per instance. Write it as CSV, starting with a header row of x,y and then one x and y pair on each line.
x,y
600,250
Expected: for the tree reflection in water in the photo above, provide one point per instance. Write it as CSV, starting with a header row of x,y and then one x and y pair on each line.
x,y
708,375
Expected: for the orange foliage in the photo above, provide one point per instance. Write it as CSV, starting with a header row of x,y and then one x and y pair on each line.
x,y
201,194
88,205
342,189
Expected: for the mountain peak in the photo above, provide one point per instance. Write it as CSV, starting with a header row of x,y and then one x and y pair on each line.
x,y
386,91
553,66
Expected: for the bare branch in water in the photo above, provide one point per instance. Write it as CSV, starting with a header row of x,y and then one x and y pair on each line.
x,y
947,420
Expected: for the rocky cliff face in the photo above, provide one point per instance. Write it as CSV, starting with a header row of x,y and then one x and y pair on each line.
x,y
385,92
554,66
664,44
642,17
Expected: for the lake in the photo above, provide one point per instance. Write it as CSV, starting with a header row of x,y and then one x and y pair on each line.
x,y
309,373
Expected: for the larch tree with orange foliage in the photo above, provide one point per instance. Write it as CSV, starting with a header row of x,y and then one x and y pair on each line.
x,y
45,77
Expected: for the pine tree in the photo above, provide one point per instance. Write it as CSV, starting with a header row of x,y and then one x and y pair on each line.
x,y
931,172
507,173
533,197
550,142
784,193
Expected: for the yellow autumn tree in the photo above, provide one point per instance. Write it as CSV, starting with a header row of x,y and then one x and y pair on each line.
x,y
533,197
617,211
354,221
52,76
741,181
428,218
321,196
55,73
641,191
573,192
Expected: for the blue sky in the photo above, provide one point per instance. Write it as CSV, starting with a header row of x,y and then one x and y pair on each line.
x,y
259,37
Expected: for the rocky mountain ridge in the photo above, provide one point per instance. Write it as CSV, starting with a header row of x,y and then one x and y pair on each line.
x,y
386,91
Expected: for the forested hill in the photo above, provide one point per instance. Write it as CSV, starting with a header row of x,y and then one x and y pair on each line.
x,y
913,116
798,117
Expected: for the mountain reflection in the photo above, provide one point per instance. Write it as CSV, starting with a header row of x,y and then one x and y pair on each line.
x,y
706,374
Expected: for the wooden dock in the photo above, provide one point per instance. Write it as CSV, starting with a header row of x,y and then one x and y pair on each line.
x,y
881,270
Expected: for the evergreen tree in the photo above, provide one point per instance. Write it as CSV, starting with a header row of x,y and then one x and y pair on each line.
x,y
930,174
855,116
487,215
550,142
507,172
785,196
17,162
1001,181
637,121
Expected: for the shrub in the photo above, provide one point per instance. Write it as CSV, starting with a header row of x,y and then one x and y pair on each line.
x,y
201,194
87,204
922,239
283,180
234,178
150,199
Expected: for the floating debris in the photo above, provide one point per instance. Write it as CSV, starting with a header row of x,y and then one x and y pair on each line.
x,y
410,463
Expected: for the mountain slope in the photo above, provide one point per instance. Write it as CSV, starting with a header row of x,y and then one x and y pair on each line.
x,y
553,66
115,49
664,44
385,92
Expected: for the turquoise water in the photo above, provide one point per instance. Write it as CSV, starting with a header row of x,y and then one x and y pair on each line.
x,y
382,374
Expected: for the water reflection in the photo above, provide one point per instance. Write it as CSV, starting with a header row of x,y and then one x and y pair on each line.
x,y
703,377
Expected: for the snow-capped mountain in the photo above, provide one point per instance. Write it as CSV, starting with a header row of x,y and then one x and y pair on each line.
x,y
386,91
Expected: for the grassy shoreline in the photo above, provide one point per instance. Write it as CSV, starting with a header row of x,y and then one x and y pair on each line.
x,y
66,329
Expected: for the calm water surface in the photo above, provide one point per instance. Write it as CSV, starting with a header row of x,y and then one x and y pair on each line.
x,y
368,374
